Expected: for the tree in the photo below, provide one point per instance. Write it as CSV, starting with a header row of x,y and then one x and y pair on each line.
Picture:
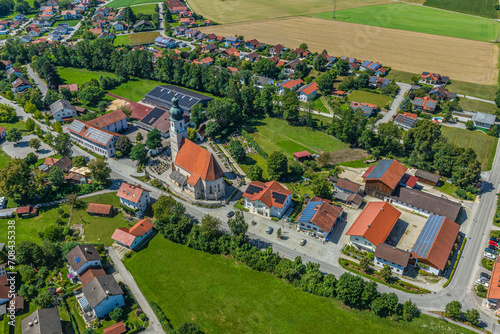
x,y
236,150
237,224
369,294
410,310
296,168
15,179
57,127
321,186
30,124
254,173
139,137
7,114
386,272
72,200
124,145
379,306
80,161
365,264
320,63
290,106
393,304
164,208
31,159
266,67
189,328
139,153
343,67
43,299
53,233
212,130
301,70
99,170
303,46
62,144
406,104
325,82
35,143
453,310
226,112
472,316
22,7
325,159
89,331
153,140
116,314
197,115
210,227
56,176
14,135
91,95
349,289
277,165
469,125
66,94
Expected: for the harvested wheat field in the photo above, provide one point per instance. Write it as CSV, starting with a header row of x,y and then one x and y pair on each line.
x,y
231,11
460,59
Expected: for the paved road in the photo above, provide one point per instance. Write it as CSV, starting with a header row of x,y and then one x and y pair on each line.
x,y
476,98
154,323
73,30
38,81
403,88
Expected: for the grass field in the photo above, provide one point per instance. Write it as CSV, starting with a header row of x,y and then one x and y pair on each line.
x,y
143,38
482,144
125,3
223,11
477,62
255,159
121,40
474,105
223,296
71,75
484,8
144,9
367,97
419,19
4,158
274,134
72,23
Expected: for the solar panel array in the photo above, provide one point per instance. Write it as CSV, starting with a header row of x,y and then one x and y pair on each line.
x,y
309,211
163,95
428,235
153,116
278,198
77,126
98,136
77,260
380,169
253,189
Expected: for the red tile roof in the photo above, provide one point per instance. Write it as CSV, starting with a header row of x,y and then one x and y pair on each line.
x,y
301,154
368,171
196,160
70,87
26,209
325,216
141,227
139,111
292,83
265,195
130,192
90,274
375,222
392,174
359,104
494,286
310,88
101,209
108,119
127,236
118,328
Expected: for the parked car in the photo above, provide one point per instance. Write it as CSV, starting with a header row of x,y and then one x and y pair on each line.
x,y
491,251
489,256
493,243
492,247
485,275
269,230
302,242
494,239
230,214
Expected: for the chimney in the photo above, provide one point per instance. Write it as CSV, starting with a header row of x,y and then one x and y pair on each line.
x,y
86,250
368,225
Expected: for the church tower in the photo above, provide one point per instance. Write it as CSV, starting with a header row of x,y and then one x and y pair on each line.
x,y
178,128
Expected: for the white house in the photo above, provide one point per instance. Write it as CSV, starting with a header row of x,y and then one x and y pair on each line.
x,y
101,295
308,92
115,121
134,236
396,258
319,218
62,110
95,139
269,199
83,257
134,197
118,25
482,120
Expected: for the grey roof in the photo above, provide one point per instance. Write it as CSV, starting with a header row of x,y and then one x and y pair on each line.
x,y
178,177
422,174
61,104
100,288
263,80
392,254
340,195
143,22
82,254
484,118
47,322
161,96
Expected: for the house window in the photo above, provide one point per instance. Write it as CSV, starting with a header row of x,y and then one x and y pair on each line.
x,y
314,228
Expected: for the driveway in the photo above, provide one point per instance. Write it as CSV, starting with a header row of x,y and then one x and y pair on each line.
x,y
154,323
403,88
38,81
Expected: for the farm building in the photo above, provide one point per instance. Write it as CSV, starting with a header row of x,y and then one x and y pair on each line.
x,y
302,155
493,294
26,211
348,186
373,225
427,177
435,243
269,199
161,96
396,258
96,209
318,219
382,179
351,199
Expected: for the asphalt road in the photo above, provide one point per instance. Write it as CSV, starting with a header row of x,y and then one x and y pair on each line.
x,y
403,88
38,81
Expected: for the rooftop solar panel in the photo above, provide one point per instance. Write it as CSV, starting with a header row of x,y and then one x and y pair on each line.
x,y
253,189
77,126
428,235
380,169
279,198
309,211
153,115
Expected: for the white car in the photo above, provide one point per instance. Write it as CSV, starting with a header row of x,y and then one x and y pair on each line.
x,y
489,256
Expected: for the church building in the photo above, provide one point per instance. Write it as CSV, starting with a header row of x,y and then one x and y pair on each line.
x,y
195,170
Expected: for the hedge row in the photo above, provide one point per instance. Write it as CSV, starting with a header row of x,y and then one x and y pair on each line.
x,y
164,321
456,263
252,142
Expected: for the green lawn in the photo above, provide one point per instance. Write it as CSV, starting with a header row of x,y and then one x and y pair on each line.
x,y
400,76
474,105
255,159
144,9
482,144
125,3
121,40
4,158
71,75
275,134
366,97
421,19
72,23
20,125
143,37
484,8
224,296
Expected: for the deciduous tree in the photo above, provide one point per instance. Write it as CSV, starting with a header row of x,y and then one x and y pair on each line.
x,y
277,165
124,145
100,170
14,135
254,173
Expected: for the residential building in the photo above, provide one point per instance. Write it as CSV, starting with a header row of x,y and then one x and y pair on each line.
x,y
427,177
62,111
442,93
493,294
301,53
14,71
425,204
382,179
230,52
165,42
368,109
195,170
252,57
134,236
373,225
134,197
434,244
424,104
83,257
348,186
3,133
70,14
231,40
319,218
208,48
308,92
42,321
376,82
143,24
369,65
268,199
291,84
396,258
118,25
55,36
277,49
64,163
96,209
91,273
93,138
25,39
101,296
482,120
204,62
289,68
406,120
115,121
433,79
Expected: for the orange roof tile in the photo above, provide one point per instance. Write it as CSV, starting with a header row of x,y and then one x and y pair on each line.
x,y
375,222
310,88
118,328
108,119
101,209
494,286
50,161
392,174
196,160
267,193
130,193
291,83
141,227
90,274
325,216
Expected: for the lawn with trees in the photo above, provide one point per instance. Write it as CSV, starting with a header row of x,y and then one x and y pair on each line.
x,y
366,97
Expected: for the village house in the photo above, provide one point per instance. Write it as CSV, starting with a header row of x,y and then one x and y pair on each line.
x,y
434,244
95,139
376,82
91,273
62,111
277,50
20,85
260,81
134,197
308,92
208,48
442,93
42,321
118,25
204,62
165,42
230,52
482,120
14,71
269,199
382,179
318,219
70,14
101,295
406,120
289,68
143,24
252,57
118,328
232,41
83,257
397,259
424,104
252,44
3,133
368,109
134,236
115,121
290,84
433,79
348,186
373,225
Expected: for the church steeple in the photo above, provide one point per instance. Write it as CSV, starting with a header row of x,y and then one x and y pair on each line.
x,y
177,127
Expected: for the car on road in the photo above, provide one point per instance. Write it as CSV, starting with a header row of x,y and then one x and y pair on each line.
x,y
493,243
302,242
491,251
230,214
269,230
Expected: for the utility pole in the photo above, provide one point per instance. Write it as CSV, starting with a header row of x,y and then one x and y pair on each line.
x,y
334,9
